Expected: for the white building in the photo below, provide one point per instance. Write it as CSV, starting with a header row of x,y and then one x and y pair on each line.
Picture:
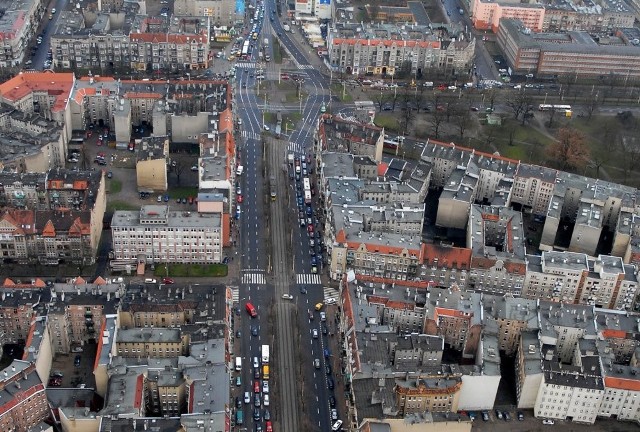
x,y
157,235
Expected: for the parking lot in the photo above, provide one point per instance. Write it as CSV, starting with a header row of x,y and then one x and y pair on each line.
x,y
74,376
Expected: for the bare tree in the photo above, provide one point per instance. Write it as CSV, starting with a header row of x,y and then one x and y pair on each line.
x,y
491,97
600,156
178,168
437,118
462,120
512,128
551,115
519,104
380,100
570,149
591,105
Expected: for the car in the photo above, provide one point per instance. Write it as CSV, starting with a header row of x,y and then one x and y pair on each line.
x,y
327,369
256,400
240,198
238,190
77,360
314,333
266,400
506,416
150,281
268,426
266,128
159,198
247,398
55,383
330,383
168,281
332,401
324,330
323,316
178,201
485,415
238,381
56,374
254,331
166,198
314,261
334,414
238,402
316,363
287,296
337,425
499,414
547,422
77,350
520,415
256,414
303,290
472,415
265,386
256,363
256,373
256,386
330,300
239,333
267,415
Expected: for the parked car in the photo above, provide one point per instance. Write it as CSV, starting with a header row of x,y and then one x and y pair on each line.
x,y
168,281
77,360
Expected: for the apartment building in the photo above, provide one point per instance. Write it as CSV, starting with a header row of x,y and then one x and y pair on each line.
x,y
34,121
433,394
496,238
151,163
23,400
160,235
151,342
141,43
345,135
486,15
166,393
570,53
528,368
446,266
385,48
602,17
17,309
533,188
219,12
18,25
78,310
508,318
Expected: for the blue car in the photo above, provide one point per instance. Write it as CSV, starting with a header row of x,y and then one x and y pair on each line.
x,y
314,261
166,198
309,211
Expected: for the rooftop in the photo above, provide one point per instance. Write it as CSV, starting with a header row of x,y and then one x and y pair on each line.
x,y
148,335
163,216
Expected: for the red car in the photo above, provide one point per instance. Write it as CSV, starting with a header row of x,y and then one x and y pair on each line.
x,y
269,426
168,281
240,198
256,386
310,228
99,143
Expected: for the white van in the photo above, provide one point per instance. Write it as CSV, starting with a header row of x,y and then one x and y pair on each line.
x,y
255,363
336,425
238,363
239,170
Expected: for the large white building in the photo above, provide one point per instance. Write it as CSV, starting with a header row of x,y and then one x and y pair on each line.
x,y
156,234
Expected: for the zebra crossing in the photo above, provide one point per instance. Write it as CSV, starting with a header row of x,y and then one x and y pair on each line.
x,y
235,294
245,65
296,147
330,294
254,279
308,66
250,135
308,279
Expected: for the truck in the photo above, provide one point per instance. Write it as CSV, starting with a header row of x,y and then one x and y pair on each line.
x,y
265,354
286,27
290,158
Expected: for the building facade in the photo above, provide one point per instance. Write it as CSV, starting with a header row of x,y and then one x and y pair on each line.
x,y
157,235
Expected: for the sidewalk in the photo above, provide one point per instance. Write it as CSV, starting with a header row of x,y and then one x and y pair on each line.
x,y
336,361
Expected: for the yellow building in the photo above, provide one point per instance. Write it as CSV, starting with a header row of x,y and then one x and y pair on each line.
x,y
151,342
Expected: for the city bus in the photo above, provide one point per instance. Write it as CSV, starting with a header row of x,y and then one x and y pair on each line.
x,y
245,50
307,184
546,107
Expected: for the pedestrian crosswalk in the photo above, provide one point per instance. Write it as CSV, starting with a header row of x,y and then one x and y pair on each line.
x,y
308,279
330,294
296,147
245,65
250,135
254,279
308,66
235,294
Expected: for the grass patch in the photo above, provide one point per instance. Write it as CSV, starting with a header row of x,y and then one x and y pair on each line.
x,y
345,96
269,117
293,96
292,117
192,270
277,51
114,186
386,121
121,205
183,192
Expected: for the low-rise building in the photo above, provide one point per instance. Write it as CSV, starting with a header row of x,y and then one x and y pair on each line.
x,y
151,164
156,234
151,342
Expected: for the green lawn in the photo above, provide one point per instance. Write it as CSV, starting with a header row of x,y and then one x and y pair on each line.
x,y
114,186
336,89
183,192
277,51
121,205
386,121
192,270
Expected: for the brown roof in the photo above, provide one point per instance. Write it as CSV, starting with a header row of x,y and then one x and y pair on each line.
x,y
447,256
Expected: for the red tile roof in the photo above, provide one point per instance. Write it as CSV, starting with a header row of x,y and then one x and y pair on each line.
x,y
622,383
56,85
447,256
